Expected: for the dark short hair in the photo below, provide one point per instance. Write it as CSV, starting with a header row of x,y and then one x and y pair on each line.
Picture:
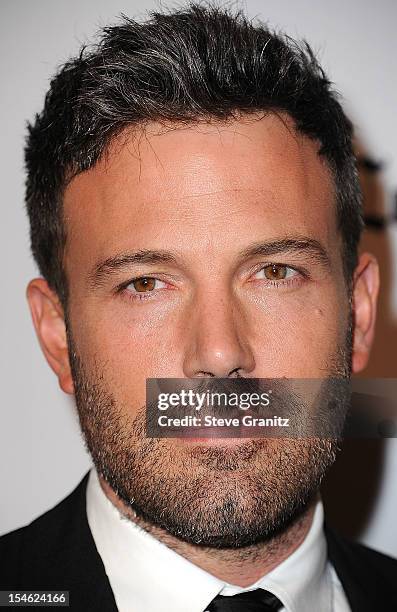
x,y
192,64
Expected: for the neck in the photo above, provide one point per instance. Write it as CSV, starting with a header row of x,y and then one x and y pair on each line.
x,y
241,567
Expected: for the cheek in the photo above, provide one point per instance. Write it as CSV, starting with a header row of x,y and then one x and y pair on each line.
x,y
127,348
299,336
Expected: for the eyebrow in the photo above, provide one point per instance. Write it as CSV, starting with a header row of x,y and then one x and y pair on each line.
x,y
302,245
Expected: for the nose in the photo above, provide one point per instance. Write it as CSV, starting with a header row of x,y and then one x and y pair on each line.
x,y
217,343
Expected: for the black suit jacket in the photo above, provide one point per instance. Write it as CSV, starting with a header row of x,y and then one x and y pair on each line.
x,y
57,552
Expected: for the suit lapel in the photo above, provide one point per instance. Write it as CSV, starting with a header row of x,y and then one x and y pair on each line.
x,y
68,558
89,563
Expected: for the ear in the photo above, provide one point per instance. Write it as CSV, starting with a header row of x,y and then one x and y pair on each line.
x,y
365,295
49,322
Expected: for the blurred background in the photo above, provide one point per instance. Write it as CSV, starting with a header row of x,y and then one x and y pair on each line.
x,y
42,457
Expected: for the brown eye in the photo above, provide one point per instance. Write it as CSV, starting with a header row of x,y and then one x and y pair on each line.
x,y
144,284
275,271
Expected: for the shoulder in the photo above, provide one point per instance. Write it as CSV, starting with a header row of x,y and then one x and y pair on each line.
x,y
27,549
355,552
57,552
363,571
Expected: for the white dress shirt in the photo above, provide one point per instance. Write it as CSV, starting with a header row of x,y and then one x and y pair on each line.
x,y
147,576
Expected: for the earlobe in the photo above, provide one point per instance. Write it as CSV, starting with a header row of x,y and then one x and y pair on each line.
x,y
365,294
48,319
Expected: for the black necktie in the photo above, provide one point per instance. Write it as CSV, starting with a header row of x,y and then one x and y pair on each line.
x,y
250,601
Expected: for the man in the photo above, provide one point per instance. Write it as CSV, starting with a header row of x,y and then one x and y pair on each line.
x,y
195,212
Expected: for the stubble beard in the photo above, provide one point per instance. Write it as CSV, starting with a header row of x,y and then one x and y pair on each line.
x,y
221,498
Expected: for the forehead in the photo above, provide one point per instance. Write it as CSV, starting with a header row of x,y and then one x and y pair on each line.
x,y
230,179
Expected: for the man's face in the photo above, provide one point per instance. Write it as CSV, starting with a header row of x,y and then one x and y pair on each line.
x,y
232,231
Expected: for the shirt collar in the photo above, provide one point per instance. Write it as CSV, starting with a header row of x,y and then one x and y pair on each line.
x,y
303,580
147,575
